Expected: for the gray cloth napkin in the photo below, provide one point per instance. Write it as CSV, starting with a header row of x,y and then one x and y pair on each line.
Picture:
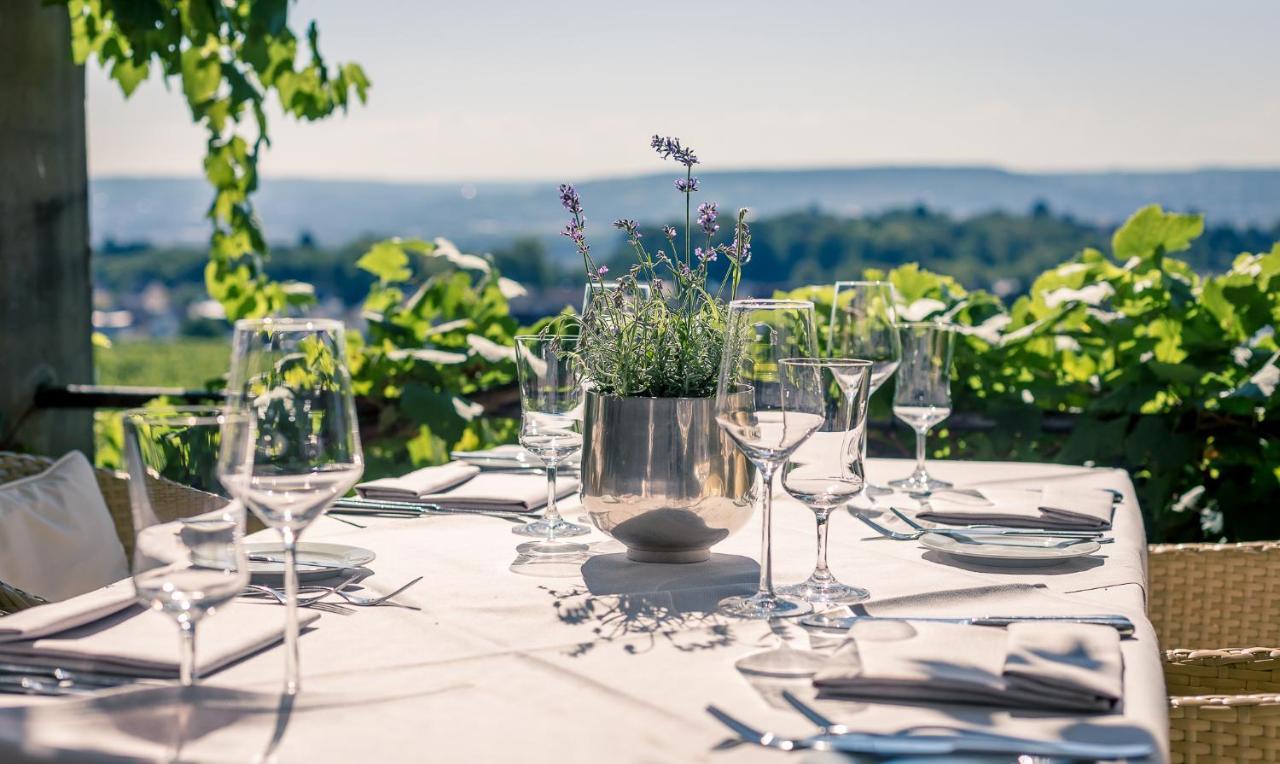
x,y
416,486
1054,508
67,614
1035,666
137,642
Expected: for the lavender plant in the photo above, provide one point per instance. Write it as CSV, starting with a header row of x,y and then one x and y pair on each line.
x,y
664,342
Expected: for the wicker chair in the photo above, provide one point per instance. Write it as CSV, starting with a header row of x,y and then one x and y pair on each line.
x,y
168,498
1212,605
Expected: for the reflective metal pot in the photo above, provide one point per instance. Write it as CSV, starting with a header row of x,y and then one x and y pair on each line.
x,y
659,475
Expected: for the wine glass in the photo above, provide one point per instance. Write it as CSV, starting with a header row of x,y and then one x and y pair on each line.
x,y
827,470
551,395
188,555
768,407
864,324
289,376
922,394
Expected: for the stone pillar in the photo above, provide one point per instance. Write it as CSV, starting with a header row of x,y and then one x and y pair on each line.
x,y
45,293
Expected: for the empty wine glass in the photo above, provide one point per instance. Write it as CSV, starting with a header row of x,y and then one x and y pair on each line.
x,y
827,470
768,407
864,324
188,555
289,376
922,395
551,395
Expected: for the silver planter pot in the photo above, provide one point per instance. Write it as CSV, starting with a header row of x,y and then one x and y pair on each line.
x,y
659,475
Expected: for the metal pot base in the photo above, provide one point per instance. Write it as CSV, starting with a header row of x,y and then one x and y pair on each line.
x,y
680,557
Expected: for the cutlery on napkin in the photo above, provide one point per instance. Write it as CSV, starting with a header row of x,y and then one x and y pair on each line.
x,y
1048,508
1027,665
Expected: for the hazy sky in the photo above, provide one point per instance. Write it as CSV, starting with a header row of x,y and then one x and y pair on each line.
x,y
482,90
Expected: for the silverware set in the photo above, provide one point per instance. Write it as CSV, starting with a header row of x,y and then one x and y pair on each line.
x,y
832,736
842,624
42,679
355,506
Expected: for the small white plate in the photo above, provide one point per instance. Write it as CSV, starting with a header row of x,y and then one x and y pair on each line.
x,y
1011,551
336,555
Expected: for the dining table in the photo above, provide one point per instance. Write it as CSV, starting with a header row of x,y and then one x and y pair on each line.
x,y
497,656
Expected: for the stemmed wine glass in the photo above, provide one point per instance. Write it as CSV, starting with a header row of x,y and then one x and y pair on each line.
x,y
864,324
827,470
551,395
289,376
188,555
922,396
768,407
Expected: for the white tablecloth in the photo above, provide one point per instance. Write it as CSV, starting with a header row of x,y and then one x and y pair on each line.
x,y
491,664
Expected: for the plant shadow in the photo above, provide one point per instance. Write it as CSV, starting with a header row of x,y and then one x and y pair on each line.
x,y
640,604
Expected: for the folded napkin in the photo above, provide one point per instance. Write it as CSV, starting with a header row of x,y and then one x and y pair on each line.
x,y
419,484
1031,666
137,642
503,492
461,486
68,614
1053,508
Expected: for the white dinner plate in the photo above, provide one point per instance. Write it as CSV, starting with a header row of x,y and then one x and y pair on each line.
x,y
1011,551
335,555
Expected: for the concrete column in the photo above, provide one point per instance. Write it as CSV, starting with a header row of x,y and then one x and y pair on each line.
x,y
45,299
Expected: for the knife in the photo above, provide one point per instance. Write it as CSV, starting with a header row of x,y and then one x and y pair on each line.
x,y
1118,622
939,745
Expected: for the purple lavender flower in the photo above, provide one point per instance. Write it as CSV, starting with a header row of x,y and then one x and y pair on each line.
x,y
687,186
707,213
670,148
706,256
669,231
569,198
630,226
602,270
574,232
742,254
684,270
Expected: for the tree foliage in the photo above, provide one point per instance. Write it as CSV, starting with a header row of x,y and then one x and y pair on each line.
x,y
229,56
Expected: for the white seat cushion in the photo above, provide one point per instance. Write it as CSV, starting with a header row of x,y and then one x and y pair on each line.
x,y
56,535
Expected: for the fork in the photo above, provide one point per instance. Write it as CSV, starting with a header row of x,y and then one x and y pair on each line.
x,y
359,601
1071,537
314,603
1091,535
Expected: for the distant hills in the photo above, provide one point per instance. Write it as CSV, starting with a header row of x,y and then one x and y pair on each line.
x,y
165,211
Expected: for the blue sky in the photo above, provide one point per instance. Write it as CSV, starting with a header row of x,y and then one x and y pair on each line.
x,y
488,90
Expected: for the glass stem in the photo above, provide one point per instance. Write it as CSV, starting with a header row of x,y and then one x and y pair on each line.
x,y
820,571
293,678
766,534
552,515
187,652
920,438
